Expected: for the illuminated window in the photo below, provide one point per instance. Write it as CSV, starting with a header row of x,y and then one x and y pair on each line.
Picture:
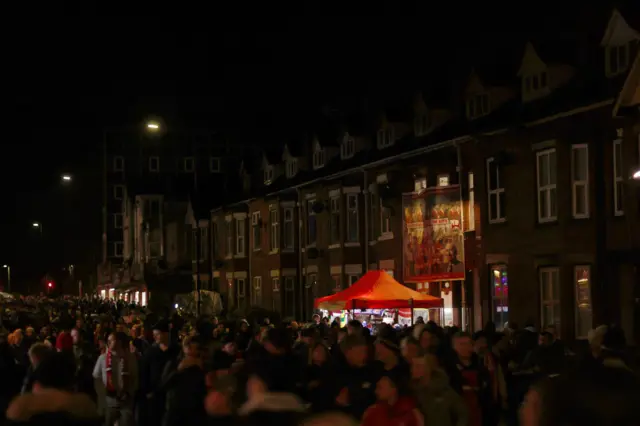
x,y
500,295
584,315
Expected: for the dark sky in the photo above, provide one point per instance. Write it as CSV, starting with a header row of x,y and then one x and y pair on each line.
x,y
66,79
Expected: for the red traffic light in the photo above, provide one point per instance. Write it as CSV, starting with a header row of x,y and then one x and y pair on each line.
x,y
50,285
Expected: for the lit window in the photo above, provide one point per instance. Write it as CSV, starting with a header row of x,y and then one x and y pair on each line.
x,y
500,295
443,180
419,184
584,315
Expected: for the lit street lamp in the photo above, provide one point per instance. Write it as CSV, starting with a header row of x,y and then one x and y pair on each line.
x,y
153,126
8,268
38,226
636,175
66,178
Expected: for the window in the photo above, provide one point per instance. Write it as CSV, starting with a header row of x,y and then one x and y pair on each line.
x,y
275,284
386,137
214,165
534,85
311,223
334,220
188,164
288,284
337,283
546,172
292,167
352,279
154,164
374,226
495,187
240,237
256,223
274,229
617,59
348,147
580,181
584,317
118,192
268,175
550,296
421,124
229,235
385,219
240,288
478,106
118,164
117,220
257,291
420,184
500,294
443,180
215,233
353,230
618,179
288,229
471,213
118,249
318,159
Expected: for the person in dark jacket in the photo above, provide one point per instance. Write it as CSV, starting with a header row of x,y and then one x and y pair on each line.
x,y
37,353
319,379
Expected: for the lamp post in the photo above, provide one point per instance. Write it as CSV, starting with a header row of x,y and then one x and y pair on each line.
x,y
38,226
8,268
66,178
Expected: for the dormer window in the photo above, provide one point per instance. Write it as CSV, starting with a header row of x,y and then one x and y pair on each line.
x,y
534,85
617,59
292,167
477,106
347,148
268,175
318,158
386,137
421,124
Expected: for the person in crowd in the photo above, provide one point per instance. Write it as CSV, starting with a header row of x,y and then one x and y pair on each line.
x,y
117,371
394,404
410,348
318,379
356,381
37,352
270,400
498,385
85,357
52,400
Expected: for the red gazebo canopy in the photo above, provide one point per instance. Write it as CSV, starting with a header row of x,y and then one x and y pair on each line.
x,y
377,290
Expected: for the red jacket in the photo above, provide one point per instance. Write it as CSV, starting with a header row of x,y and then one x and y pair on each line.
x,y
403,413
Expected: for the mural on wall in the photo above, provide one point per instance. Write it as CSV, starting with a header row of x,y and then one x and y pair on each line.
x,y
433,238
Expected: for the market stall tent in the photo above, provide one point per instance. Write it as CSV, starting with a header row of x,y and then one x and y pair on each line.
x,y
377,290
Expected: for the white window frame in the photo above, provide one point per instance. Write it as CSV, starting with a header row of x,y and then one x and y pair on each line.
x,y
386,137
318,158
240,288
443,179
352,277
618,179
476,107
186,161
256,294
576,284
118,163
498,191
118,220
349,210
240,236
421,124
288,241
337,282
118,249
275,284
154,168
540,79
471,214
215,164
310,213
256,231
620,66
268,175
549,276
292,167
347,147
119,196
548,191
582,182
419,184
274,229
334,212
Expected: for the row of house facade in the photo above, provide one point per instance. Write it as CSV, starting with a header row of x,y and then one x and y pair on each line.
x,y
544,177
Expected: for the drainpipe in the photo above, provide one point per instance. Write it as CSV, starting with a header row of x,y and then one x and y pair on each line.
x,y
367,210
463,287
299,206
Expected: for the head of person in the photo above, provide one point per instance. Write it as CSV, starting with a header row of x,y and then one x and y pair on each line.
x,y
480,342
76,336
316,318
387,349
410,348
191,347
55,371
161,332
37,352
30,332
462,345
18,336
277,341
319,354
390,387
355,350
354,327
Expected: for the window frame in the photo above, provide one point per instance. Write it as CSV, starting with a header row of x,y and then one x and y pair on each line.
x,y
241,290
499,191
576,281
274,229
311,213
115,221
386,137
229,238
334,220
155,169
256,231
550,271
118,164
347,147
348,224
118,247
188,160
117,196
476,107
275,284
288,223
620,66
618,178
292,167
575,183
547,191
241,236
217,162
268,174
318,158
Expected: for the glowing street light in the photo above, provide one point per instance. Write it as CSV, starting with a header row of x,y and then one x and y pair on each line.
x,y
36,224
153,126
636,175
66,178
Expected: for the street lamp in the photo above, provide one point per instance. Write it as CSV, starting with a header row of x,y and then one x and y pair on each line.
x,y
636,175
38,226
66,178
153,126
8,268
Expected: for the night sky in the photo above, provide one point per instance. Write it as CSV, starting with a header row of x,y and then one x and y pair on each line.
x,y
69,78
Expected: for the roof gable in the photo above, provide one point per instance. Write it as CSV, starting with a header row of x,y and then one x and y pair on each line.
x,y
531,62
618,31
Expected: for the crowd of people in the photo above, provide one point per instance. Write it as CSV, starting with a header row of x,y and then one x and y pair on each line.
x,y
91,362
